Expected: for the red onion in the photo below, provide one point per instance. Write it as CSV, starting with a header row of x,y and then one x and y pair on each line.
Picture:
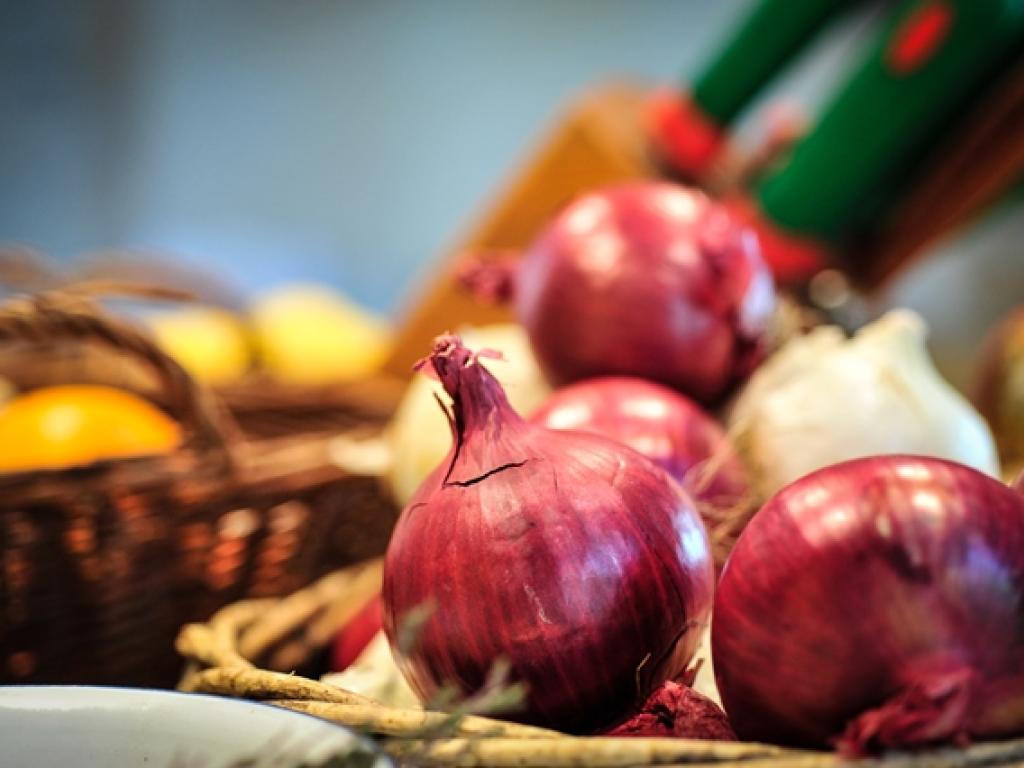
x,y
877,602
658,422
646,279
356,635
577,560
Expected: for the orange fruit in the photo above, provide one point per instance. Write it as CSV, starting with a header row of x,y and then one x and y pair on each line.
x,y
70,425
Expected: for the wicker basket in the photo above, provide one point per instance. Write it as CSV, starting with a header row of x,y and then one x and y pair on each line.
x,y
265,408
261,405
226,656
100,565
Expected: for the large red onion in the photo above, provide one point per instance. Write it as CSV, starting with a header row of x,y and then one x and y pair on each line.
x,y
646,279
877,602
660,423
577,560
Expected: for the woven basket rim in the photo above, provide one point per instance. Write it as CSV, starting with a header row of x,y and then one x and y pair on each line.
x,y
72,316
218,657
274,464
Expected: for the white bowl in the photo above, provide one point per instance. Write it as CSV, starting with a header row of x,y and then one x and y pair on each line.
x,y
83,727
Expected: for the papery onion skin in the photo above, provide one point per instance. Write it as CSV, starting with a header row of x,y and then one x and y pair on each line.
x,y
662,424
876,602
577,560
647,279
675,709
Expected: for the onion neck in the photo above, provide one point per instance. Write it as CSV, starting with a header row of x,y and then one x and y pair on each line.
x,y
493,280
479,404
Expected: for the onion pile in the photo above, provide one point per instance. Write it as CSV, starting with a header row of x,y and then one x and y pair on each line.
x,y
645,279
572,557
877,602
664,426
872,604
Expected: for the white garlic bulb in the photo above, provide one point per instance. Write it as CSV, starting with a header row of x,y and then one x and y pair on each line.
x,y
823,398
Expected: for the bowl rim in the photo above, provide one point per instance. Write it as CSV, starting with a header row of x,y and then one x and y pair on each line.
x,y
8,692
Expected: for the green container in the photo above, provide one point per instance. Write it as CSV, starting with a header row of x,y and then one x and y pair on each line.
x,y
774,33
924,66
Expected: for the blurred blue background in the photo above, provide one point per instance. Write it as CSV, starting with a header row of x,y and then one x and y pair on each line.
x,y
341,141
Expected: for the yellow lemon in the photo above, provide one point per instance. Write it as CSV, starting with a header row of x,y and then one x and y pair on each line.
x,y
308,334
208,342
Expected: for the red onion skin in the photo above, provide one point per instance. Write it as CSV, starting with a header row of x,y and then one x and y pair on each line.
x,y
357,634
677,710
570,556
876,604
647,279
662,424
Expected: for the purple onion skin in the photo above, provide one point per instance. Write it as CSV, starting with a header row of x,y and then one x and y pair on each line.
x,y
876,603
647,279
575,559
662,424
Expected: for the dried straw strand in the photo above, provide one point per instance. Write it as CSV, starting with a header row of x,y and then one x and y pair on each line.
x,y
578,752
412,723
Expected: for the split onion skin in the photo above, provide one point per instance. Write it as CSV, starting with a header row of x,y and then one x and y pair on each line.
x,y
662,424
573,558
647,279
876,604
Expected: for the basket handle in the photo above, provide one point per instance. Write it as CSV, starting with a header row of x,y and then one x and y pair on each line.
x,y
66,315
